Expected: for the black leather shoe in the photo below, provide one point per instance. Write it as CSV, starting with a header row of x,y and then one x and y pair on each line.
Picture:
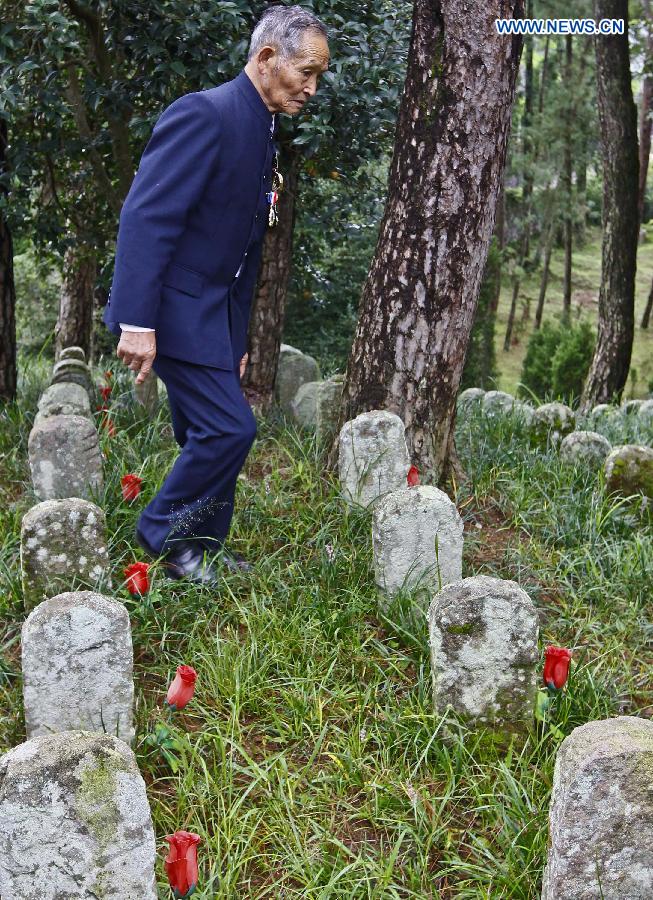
x,y
187,559
182,559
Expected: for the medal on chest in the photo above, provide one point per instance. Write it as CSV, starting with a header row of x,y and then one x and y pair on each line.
x,y
273,195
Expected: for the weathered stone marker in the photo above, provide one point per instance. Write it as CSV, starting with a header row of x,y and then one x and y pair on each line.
x,y
601,813
304,404
584,448
554,420
629,470
327,408
294,370
417,538
372,456
78,666
65,398
483,640
72,352
74,821
65,458
72,369
470,397
63,543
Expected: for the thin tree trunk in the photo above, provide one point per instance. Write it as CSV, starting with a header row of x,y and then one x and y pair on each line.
x,y
75,320
500,233
269,302
645,116
618,127
646,318
527,190
419,299
567,183
544,280
8,374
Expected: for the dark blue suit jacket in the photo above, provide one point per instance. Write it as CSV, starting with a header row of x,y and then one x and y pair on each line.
x,y
195,214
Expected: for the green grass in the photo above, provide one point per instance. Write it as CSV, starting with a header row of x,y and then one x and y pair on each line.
x,y
586,279
310,760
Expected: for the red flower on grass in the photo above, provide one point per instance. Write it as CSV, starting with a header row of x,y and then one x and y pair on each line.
x,y
108,374
182,688
137,578
106,392
131,486
413,476
181,862
556,667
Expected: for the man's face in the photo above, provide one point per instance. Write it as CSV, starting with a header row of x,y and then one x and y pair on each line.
x,y
290,83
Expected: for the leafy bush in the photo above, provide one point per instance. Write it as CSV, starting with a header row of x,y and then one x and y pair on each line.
x,y
557,361
536,369
571,361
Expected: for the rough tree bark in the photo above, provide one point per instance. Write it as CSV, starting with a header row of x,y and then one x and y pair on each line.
x,y
645,121
8,375
269,302
418,302
75,321
618,128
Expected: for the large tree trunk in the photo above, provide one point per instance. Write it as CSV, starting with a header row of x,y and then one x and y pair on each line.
x,y
618,127
419,299
269,302
645,115
8,376
75,321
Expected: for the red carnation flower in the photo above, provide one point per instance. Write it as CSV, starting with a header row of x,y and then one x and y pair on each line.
x,y
181,862
556,667
131,486
137,577
413,476
106,392
182,688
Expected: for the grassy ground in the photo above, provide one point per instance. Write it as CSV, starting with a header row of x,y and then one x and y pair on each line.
x,y
586,280
310,760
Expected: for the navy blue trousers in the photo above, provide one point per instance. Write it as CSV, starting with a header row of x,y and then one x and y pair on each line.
x,y
215,428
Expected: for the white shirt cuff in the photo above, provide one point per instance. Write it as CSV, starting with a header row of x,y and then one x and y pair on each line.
x,y
134,327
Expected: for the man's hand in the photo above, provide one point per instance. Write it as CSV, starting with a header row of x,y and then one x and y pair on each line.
x,y
243,363
137,350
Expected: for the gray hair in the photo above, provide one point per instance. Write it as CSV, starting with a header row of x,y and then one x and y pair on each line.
x,y
282,27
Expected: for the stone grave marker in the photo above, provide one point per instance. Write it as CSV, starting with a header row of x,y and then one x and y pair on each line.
x,y
72,370
417,539
584,448
294,370
327,408
62,541
65,458
72,352
77,661
601,813
372,456
629,470
74,821
483,640
65,398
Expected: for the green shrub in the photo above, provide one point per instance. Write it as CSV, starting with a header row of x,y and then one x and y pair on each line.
x,y
536,369
557,361
571,361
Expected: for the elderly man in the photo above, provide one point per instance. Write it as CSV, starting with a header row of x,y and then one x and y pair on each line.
x,y
188,250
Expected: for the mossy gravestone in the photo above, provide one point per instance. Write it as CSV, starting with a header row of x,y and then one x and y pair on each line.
x,y
294,370
63,545
553,421
483,639
601,813
65,458
74,821
629,470
77,663
372,456
64,399
586,449
417,538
